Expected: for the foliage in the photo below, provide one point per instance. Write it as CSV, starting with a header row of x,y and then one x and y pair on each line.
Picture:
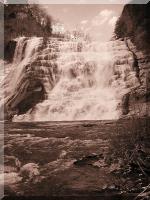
x,y
134,22
130,145
25,20
19,18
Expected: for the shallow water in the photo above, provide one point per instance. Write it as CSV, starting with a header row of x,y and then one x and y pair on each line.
x,y
69,158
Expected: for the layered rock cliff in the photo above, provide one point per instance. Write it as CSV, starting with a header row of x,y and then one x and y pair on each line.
x,y
133,27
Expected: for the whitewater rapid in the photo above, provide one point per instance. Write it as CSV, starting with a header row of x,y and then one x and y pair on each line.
x,y
79,78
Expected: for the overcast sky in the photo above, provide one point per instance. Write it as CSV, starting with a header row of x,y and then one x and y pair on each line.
x,y
98,20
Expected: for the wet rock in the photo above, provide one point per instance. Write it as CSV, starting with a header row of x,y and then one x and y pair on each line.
x,y
88,125
29,171
88,160
62,154
125,104
10,50
100,163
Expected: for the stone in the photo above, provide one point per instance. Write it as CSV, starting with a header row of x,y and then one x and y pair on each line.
x,y
29,171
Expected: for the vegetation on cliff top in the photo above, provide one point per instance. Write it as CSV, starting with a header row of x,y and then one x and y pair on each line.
x,y
134,22
24,20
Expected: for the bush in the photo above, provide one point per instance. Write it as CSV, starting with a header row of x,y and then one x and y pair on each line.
x,y
130,145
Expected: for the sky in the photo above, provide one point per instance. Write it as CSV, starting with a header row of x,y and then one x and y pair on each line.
x,y
97,19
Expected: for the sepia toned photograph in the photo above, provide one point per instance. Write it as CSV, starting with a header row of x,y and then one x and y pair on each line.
x,y
75,99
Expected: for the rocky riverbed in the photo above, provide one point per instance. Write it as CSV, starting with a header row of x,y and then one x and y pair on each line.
x,y
65,159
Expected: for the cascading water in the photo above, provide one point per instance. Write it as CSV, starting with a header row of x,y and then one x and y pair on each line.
x,y
78,79
83,91
24,51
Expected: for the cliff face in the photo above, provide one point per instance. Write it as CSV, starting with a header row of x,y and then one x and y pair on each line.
x,y
23,20
133,27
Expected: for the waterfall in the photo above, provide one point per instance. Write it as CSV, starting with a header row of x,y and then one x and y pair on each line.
x,y
23,55
80,80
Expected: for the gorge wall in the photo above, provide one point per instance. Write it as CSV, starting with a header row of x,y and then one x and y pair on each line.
x,y
134,24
